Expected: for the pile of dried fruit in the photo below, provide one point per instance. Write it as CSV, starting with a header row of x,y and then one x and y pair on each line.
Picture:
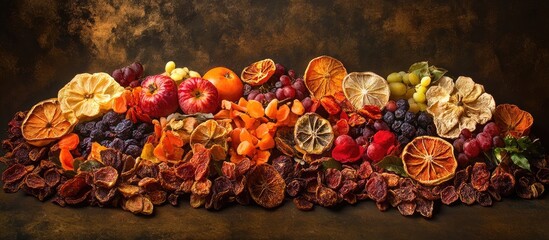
x,y
328,138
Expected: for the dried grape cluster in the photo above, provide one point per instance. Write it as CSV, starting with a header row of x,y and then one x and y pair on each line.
x,y
113,131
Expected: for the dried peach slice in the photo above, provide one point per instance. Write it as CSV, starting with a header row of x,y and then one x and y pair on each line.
x,y
266,186
323,76
429,160
45,123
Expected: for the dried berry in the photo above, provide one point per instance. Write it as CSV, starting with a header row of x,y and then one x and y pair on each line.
x,y
229,170
364,170
462,176
377,188
326,197
185,171
333,178
424,207
127,190
467,194
169,180
543,175
14,173
484,199
449,195
52,177
157,197
75,190
407,208
201,187
105,177
173,199
285,166
502,182
302,204
480,177
295,187
104,195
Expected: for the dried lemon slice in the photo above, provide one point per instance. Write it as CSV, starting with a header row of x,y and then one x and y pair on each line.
x,y
313,134
88,96
366,88
45,123
213,136
429,160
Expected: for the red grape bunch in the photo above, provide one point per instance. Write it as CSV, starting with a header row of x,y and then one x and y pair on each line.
x,y
129,76
470,145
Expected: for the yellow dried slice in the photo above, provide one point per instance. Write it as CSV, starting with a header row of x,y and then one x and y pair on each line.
x,y
429,160
313,133
212,136
88,96
366,88
45,123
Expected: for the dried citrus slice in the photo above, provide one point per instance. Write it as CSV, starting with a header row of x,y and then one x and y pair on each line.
x,y
512,120
213,136
88,96
258,72
429,160
45,123
323,76
366,88
313,134
266,186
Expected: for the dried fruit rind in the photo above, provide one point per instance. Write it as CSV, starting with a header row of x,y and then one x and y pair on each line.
x,y
459,105
88,96
429,160
45,123
366,88
313,134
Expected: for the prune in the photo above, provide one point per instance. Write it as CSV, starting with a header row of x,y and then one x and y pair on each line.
x,y
449,195
424,207
407,208
333,178
105,177
377,188
467,194
173,199
302,204
52,177
14,173
34,181
480,177
326,197
484,199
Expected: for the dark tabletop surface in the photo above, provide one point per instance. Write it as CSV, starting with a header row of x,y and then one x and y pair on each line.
x,y
503,45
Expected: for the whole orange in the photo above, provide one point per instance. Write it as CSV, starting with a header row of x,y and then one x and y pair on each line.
x,y
228,84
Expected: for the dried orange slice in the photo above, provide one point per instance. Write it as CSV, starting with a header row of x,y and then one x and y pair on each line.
x,y
45,123
512,120
323,76
88,96
313,133
213,136
258,72
266,186
429,160
366,88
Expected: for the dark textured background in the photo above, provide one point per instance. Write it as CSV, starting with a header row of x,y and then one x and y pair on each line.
x,y
503,45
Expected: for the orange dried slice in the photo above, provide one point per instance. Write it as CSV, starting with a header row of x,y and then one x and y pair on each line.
x,y
512,120
258,72
266,186
313,133
366,88
323,76
213,136
429,160
45,123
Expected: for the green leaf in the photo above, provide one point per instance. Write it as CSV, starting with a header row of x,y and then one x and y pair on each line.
x,y
393,164
510,141
524,143
520,161
89,165
421,69
437,73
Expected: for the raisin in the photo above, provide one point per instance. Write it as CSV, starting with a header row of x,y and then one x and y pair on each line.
x,y
377,188
484,199
185,186
333,178
467,194
406,182
362,196
302,204
197,200
407,208
36,154
239,185
13,187
449,195
243,166
424,207
173,199
480,177
494,194
405,194
326,197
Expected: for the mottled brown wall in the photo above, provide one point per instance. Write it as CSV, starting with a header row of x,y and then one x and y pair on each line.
x,y
504,45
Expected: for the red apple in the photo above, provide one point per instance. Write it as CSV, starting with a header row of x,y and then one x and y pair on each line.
x,y
198,95
158,96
